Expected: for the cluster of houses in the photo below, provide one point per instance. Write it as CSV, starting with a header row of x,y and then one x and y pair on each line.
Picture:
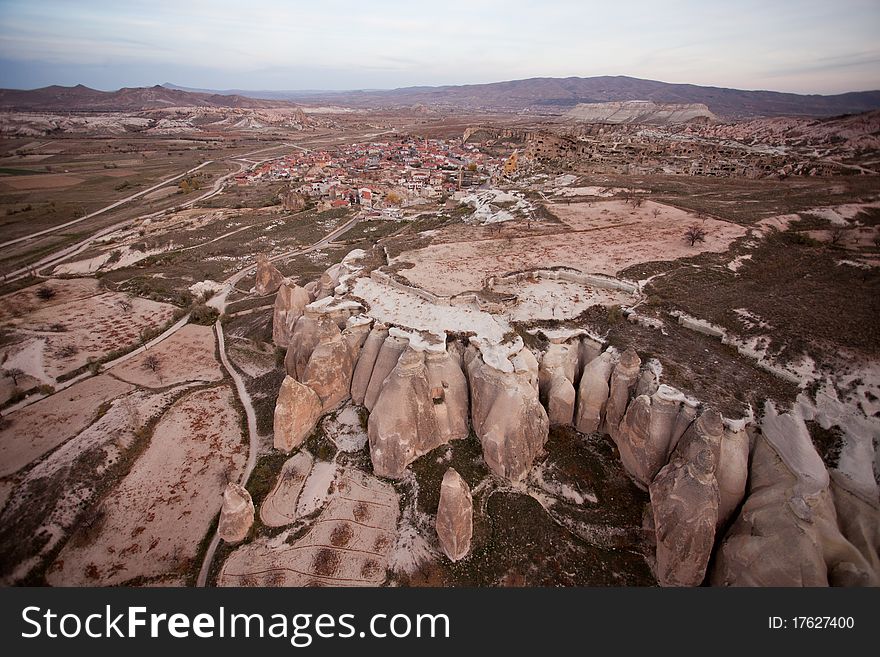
x,y
374,175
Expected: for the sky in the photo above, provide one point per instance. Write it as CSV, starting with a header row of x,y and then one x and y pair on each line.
x,y
803,46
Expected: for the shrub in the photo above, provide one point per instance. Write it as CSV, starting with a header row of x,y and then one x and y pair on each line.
x,y
45,293
203,315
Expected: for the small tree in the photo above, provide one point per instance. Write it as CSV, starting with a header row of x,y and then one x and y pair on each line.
x,y
694,234
655,212
837,234
14,373
154,365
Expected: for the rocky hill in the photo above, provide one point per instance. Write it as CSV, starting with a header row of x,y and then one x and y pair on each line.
x,y
639,111
82,98
558,95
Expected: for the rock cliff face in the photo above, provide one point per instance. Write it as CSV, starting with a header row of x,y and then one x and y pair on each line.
x,y
787,533
684,500
268,279
364,368
402,424
623,382
290,302
296,413
557,374
796,526
422,405
389,353
645,436
593,392
506,414
321,358
639,111
455,516
236,514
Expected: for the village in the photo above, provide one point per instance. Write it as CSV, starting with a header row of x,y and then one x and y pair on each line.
x,y
379,177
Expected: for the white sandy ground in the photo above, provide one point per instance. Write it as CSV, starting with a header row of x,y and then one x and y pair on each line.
x,y
602,237
348,544
155,519
542,481
416,543
856,415
89,327
593,190
842,215
344,429
106,440
557,299
188,355
405,309
42,426
316,488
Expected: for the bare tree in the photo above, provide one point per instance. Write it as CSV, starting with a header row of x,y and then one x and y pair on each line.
x,y
154,365
14,373
837,234
695,233
655,212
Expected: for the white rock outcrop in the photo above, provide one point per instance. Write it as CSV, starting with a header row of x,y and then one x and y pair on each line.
x,y
787,532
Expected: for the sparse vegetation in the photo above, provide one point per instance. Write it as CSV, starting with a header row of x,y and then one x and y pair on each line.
x,y
695,233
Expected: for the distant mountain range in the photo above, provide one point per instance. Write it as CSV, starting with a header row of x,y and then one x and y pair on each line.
x,y
552,96
558,95
81,98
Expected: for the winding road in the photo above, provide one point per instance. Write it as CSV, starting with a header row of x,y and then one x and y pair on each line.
x,y
217,301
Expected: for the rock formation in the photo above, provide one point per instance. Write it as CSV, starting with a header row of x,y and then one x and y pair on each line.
x,y
556,377
386,359
306,335
787,531
329,369
639,111
858,515
290,302
593,392
367,359
684,500
733,469
644,437
402,424
455,516
236,514
623,381
296,413
268,279
507,415
449,394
